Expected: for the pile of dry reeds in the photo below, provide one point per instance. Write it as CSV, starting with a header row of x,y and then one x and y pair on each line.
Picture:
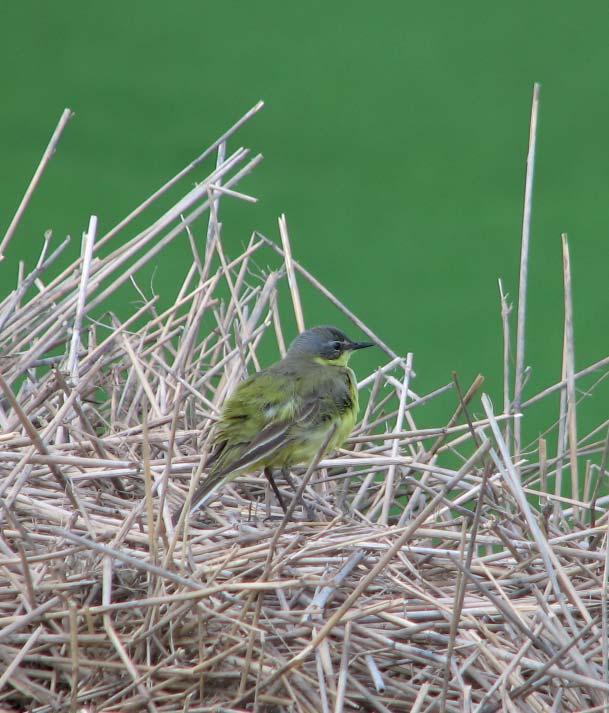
x,y
439,569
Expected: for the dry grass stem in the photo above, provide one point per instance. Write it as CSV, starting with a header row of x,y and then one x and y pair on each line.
x,y
524,269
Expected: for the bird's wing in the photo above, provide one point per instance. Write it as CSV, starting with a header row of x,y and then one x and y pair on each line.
x,y
267,442
260,401
270,439
267,412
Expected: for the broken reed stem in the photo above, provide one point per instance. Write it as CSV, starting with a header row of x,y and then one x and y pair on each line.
x,y
180,175
65,117
289,267
506,310
524,269
570,373
389,497
87,255
333,300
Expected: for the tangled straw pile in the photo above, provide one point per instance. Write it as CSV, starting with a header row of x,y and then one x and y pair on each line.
x,y
427,570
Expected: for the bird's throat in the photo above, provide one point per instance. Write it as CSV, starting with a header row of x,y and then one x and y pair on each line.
x,y
342,360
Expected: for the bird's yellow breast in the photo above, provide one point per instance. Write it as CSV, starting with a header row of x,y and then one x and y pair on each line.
x,y
348,419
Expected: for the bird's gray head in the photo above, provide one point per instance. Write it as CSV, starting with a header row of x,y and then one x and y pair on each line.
x,y
327,345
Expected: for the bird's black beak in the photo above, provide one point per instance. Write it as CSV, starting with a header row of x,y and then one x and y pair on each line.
x,y
358,345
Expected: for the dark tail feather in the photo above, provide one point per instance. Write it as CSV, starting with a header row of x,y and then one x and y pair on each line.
x,y
207,483
206,491
268,441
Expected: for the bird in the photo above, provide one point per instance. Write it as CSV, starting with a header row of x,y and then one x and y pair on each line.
x,y
281,416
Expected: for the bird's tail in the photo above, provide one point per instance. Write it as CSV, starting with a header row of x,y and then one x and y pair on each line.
x,y
206,490
227,462
204,493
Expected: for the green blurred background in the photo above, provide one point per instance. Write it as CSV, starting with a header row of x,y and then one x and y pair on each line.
x,y
394,136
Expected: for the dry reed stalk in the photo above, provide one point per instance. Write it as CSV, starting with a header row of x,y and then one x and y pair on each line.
x,y
429,579
65,117
524,269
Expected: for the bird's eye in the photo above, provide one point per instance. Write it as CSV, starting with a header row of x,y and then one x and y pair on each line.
x,y
337,346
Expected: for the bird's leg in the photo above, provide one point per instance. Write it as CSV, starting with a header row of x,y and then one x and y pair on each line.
x,y
269,476
309,510
285,472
